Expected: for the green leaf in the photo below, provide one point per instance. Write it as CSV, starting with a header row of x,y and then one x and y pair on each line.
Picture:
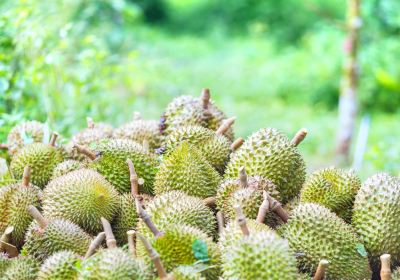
x,y
200,250
361,250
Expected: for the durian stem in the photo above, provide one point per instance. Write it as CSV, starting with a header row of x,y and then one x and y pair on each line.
x,y
220,221
263,210
276,206
133,178
90,122
146,218
6,236
95,244
131,242
321,269
385,267
241,220
34,212
3,146
26,176
10,249
53,139
136,116
110,239
243,177
210,201
226,124
205,97
154,256
299,137
237,144
85,151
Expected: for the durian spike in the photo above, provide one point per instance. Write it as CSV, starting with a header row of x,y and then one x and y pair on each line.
x,y
299,137
146,145
3,146
146,218
136,116
243,177
237,144
110,239
263,210
241,220
385,267
131,242
133,178
205,97
10,249
321,269
90,122
276,206
26,176
95,244
210,201
6,236
85,151
53,139
220,221
226,124
34,212
154,256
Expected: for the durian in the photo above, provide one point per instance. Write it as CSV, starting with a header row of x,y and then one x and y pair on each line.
x,y
25,133
22,268
61,265
66,167
5,262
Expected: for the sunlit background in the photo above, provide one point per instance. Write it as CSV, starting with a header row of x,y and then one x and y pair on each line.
x,y
270,63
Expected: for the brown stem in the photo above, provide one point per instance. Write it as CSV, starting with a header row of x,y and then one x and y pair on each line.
x,y
320,273
205,97
263,210
210,201
385,267
299,137
241,220
90,123
243,177
154,256
53,139
276,207
146,218
133,178
226,124
237,144
136,116
110,239
95,244
85,151
131,242
6,236
34,212
10,249
221,222
26,176
3,146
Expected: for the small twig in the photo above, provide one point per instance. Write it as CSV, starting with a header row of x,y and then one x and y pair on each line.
x,y
10,249
321,270
133,178
385,267
205,97
210,201
131,242
221,222
299,137
241,220
26,176
276,207
6,236
90,122
110,239
53,139
263,210
237,144
146,218
226,124
95,244
34,212
85,151
243,177
154,256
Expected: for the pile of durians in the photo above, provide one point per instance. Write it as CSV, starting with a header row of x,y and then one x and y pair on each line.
x,y
181,198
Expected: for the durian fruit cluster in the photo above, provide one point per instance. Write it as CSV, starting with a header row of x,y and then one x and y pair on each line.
x,y
181,198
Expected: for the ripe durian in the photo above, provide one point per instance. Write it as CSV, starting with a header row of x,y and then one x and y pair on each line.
x,y
315,233
376,215
139,130
48,236
213,146
271,155
66,167
186,170
14,200
81,196
60,265
187,110
22,268
5,262
109,158
333,188
42,158
25,133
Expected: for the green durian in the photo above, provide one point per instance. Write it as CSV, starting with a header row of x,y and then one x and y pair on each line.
x,y
25,133
269,154
333,188
62,265
5,262
22,268
186,170
185,273
315,233
126,218
66,166
82,196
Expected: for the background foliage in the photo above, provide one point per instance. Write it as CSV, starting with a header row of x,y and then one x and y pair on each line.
x,y
271,63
